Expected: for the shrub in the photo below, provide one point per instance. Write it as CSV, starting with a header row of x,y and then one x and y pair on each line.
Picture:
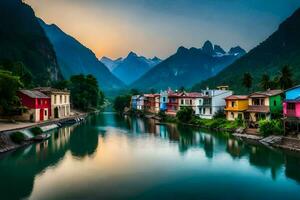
x,y
17,137
162,115
36,131
220,114
185,114
270,127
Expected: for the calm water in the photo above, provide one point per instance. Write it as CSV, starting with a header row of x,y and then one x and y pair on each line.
x,y
109,157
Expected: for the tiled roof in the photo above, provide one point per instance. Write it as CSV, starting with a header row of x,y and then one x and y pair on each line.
x,y
34,94
237,97
50,89
267,93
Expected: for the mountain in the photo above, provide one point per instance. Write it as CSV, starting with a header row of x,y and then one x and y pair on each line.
x,y
22,40
132,67
109,63
187,67
281,48
74,58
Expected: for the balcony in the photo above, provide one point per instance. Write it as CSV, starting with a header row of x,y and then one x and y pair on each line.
x,y
258,109
291,113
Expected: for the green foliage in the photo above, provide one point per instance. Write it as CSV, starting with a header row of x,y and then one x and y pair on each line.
x,y
265,82
185,114
9,85
162,115
220,114
122,102
61,85
85,92
270,127
24,45
17,137
36,131
247,81
285,78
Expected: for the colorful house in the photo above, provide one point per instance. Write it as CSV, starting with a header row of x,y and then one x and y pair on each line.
x,y
164,98
134,100
189,100
236,105
173,103
262,105
140,102
213,101
291,110
37,103
151,103
60,101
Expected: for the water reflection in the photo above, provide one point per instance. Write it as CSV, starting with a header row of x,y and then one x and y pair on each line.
x,y
19,169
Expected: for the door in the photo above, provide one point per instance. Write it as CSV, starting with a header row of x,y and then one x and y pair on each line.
x,y
41,114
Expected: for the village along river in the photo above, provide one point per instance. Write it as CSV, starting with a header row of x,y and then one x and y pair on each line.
x,y
111,157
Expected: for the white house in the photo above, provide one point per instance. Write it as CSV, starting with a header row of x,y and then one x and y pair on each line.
x,y
212,102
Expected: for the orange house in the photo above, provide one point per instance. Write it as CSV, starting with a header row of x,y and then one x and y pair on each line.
x,y
236,105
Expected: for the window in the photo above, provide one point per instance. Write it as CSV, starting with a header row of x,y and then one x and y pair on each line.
x,y
204,111
210,111
54,99
232,114
291,106
60,99
164,99
275,103
233,104
182,101
191,102
45,112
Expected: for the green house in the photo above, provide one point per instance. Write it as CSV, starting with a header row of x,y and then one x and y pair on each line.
x,y
264,105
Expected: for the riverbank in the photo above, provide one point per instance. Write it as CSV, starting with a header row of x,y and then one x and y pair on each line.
x,y
235,128
6,143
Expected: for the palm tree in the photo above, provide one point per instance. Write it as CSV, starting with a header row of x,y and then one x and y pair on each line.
x,y
285,78
265,82
247,81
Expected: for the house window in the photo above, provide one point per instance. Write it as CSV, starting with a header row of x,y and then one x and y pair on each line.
x,y
45,112
232,114
275,103
164,99
210,110
232,104
54,99
291,106
61,99
191,102
204,111
182,101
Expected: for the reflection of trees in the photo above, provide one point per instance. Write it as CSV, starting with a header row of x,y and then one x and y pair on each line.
x,y
292,166
264,158
19,168
208,145
235,148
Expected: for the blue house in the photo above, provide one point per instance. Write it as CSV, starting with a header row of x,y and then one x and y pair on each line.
x,y
163,100
134,103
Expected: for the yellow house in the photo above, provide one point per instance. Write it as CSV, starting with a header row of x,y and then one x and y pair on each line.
x,y
235,107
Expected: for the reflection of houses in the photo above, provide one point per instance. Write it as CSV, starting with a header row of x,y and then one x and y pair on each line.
x,y
263,104
213,101
235,106
134,100
140,102
291,110
60,101
38,104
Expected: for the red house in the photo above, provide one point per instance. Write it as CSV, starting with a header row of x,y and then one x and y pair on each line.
x,y
37,103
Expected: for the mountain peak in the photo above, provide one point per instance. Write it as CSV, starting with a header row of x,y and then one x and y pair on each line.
x,y
208,48
237,50
219,49
132,54
182,49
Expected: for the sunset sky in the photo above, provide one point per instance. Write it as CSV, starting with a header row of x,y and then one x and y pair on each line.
x,y
158,27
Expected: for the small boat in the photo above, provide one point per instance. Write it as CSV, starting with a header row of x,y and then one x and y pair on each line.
x,y
42,137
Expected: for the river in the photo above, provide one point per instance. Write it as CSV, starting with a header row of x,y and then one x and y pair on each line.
x,y
112,157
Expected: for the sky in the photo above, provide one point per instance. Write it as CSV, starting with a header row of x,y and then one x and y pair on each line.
x,y
151,28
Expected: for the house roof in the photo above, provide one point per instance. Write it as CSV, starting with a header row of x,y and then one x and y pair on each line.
x,y
237,97
34,94
267,93
51,90
297,86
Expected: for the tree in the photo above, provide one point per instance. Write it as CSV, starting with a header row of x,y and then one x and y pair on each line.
x,y
134,91
85,92
181,89
9,85
247,81
185,114
285,78
265,82
122,102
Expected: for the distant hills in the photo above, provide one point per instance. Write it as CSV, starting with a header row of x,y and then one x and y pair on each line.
x,y
74,58
188,66
23,41
281,48
130,68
